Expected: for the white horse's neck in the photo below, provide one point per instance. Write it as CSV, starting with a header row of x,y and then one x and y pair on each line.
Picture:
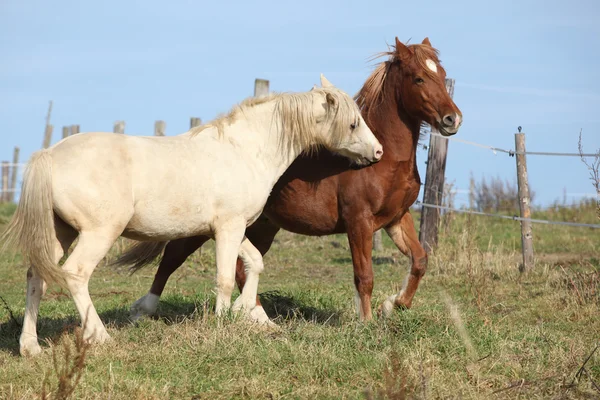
x,y
257,132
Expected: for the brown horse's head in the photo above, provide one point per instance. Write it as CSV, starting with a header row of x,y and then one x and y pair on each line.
x,y
422,89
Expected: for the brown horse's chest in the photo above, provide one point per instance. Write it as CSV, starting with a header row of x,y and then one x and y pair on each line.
x,y
328,205
386,194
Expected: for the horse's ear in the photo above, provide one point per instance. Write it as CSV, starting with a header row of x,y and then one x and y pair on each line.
x,y
402,51
313,88
324,82
331,101
427,42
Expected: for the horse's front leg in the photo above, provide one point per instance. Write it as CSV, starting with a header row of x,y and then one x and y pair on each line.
x,y
402,231
228,239
247,301
360,237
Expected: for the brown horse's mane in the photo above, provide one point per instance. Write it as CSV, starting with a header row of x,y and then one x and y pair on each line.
x,y
371,94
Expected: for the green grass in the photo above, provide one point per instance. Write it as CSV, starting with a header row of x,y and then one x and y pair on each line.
x,y
526,334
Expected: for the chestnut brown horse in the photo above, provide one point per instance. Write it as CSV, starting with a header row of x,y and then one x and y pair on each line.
x,y
322,195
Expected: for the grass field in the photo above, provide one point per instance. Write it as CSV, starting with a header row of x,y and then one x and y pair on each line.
x,y
478,329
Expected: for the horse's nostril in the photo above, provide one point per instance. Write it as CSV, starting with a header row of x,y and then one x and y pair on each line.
x,y
449,120
378,154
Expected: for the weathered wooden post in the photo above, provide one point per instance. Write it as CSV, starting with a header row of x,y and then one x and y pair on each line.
x,y
261,87
74,129
119,127
47,136
48,128
472,193
524,203
5,188
159,128
15,171
434,185
194,122
65,132
377,241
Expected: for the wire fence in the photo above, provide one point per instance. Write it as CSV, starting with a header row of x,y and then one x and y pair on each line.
x,y
511,152
513,218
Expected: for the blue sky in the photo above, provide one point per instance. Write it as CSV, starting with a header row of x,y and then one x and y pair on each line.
x,y
528,63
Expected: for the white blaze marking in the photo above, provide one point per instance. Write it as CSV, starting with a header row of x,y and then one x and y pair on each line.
x,y
431,65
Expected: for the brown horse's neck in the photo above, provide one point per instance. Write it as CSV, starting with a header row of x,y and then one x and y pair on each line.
x,y
395,130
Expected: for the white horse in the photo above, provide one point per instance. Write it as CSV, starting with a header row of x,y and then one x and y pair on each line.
x,y
212,180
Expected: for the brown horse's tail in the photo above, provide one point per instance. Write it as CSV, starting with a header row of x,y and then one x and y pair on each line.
x,y
140,255
31,229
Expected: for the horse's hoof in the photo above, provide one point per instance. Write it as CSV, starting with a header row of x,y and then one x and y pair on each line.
x,y
387,308
258,315
98,336
30,348
240,305
144,306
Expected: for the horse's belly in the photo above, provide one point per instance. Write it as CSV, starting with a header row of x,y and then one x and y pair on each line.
x,y
167,224
301,209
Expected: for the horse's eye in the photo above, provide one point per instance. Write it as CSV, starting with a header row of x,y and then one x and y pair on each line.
x,y
419,81
352,126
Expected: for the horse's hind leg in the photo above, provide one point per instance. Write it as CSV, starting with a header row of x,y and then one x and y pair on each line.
x,y
89,251
36,287
176,252
403,233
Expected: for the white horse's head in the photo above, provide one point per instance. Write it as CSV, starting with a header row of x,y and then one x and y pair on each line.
x,y
344,130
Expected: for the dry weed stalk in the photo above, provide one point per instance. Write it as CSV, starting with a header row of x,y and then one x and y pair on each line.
x,y
583,371
70,372
594,168
397,386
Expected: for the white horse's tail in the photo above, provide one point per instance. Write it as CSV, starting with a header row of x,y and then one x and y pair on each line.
x,y
31,229
140,255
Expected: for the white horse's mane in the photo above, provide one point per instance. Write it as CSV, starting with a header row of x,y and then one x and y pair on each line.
x,y
295,116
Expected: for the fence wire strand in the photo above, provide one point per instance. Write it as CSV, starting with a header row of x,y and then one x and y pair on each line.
x,y
514,217
511,152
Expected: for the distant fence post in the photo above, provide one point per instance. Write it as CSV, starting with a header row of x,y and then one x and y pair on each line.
x,y
159,128
377,241
5,188
48,128
74,129
65,132
13,178
261,87
524,203
119,127
47,136
434,185
194,122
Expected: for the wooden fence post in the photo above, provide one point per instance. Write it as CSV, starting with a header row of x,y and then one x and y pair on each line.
x,y
119,127
65,132
5,188
434,185
194,122
48,128
47,136
261,87
15,171
524,203
377,241
159,128
74,129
